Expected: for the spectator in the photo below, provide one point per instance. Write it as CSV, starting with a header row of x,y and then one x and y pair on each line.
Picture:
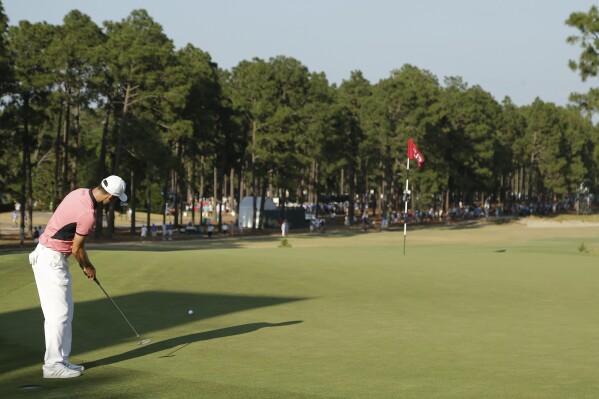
x,y
154,232
144,232
284,228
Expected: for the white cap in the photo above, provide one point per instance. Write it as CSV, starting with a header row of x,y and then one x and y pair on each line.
x,y
114,185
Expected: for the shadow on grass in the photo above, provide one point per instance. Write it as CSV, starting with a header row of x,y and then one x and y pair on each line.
x,y
180,243
185,341
98,323
187,244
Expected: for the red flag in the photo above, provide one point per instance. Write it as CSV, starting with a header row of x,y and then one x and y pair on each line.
x,y
413,153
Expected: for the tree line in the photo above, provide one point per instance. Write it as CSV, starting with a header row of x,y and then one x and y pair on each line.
x,y
80,101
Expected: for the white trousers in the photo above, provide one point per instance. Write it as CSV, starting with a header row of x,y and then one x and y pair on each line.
x,y
51,270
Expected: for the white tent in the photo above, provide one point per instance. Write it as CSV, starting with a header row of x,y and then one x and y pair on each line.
x,y
246,210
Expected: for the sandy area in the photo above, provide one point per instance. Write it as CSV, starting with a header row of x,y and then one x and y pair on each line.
x,y
534,222
9,234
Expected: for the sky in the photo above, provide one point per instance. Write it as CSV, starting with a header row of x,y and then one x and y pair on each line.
x,y
514,48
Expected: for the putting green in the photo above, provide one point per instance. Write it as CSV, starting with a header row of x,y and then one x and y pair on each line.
x,y
470,311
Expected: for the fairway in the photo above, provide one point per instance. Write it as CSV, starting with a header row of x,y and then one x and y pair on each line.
x,y
470,311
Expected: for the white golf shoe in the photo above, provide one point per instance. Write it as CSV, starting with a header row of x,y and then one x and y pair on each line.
x,y
72,366
59,371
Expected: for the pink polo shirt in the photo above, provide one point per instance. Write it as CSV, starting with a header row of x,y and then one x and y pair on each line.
x,y
75,215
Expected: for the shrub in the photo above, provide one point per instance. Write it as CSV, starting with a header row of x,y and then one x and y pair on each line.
x,y
284,243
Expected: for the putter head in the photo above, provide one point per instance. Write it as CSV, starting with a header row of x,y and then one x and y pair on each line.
x,y
144,341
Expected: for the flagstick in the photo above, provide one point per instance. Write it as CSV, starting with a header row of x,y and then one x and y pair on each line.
x,y
405,220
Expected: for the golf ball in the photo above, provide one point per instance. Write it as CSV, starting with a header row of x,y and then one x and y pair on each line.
x,y
190,311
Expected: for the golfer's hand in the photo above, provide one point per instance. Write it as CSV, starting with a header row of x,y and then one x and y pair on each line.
x,y
90,272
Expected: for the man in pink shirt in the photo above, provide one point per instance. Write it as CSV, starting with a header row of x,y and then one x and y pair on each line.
x,y
65,234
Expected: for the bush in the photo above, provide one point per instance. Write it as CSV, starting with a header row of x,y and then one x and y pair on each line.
x,y
284,243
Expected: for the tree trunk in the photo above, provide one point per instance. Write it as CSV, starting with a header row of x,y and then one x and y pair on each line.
x,y
193,191
224,185
529,177
65,158
530,167
254,207
177,200
29,175
101,171
74,158
262,202
315,185
57,168
164,203
242,188
175,186
220,190
215,190
386,183
25,168
521,183
117,157
148,202
254,178
240,191
352,192
202,177
181,185
232,190
132,202
282,201
122,127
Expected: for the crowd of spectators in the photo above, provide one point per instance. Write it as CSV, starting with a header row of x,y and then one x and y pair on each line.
x,y
490,208
365,213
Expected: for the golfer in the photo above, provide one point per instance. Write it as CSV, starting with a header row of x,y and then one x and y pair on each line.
x,y
65,234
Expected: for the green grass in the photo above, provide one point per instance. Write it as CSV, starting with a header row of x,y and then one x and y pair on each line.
x,y
478,311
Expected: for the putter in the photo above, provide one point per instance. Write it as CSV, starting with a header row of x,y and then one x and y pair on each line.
x,y
141,341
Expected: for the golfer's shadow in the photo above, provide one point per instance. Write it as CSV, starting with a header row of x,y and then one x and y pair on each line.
x,y
184,341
